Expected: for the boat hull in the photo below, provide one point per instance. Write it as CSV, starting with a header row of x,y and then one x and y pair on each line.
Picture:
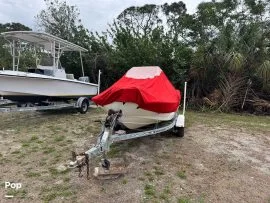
x,y
134,117
21,86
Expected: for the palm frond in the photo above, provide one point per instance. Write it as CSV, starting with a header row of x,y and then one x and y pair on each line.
x,y
264,72
235,61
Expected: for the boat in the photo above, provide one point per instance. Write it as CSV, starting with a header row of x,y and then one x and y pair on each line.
x,y
144,96
48,80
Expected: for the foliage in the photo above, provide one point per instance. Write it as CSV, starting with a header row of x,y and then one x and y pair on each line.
x,y
219,48
26,59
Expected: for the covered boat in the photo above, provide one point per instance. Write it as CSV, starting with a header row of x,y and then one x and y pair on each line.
x,y
144,95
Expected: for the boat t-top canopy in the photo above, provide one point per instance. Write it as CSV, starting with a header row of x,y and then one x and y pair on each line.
x,y
42,39
54,45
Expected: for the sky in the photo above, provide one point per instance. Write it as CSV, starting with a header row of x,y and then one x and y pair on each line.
x,y
95,14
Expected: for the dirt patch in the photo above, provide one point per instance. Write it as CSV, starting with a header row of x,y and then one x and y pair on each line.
x,y
222,158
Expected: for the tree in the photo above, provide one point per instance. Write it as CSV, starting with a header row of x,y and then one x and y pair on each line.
x,y
59,19
62,20
26,59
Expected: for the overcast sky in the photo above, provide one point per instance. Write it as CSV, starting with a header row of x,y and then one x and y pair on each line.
x,y
95,14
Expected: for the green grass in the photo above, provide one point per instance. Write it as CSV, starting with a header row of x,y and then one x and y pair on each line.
x,y
20,193
33,138
59,138
32,174
118,149
124,182
50,193
66,179
183,200
16,152
26,144
149,190
249,121
165,194
149,176
49,150
181,174
158,171
55,172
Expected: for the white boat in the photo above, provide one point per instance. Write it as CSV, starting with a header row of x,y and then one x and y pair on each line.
x,y
134,117
48,80
144,95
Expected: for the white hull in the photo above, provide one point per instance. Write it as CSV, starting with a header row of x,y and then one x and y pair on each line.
x,y
19,84
134,117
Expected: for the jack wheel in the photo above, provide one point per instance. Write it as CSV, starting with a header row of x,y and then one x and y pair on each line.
x,y
106,164
179,131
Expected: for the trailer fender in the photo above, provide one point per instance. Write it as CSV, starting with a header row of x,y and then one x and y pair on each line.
x,y
180,121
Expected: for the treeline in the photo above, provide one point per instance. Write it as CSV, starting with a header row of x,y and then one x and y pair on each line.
x,y
222,50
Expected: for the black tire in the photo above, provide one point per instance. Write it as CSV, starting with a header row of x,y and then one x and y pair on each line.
x,y
19,104
106,164
179,131
84,106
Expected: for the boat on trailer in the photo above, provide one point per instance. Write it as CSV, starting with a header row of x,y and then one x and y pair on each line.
x,y
48,81
142,103
144,95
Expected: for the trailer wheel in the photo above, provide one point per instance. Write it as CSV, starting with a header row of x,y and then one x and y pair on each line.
x,y
84,106
179,131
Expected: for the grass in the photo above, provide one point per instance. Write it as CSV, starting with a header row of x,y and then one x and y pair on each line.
x,y
181,174
43,149
59,138
20,193
26,144
32,174
249,121
183,200
49,150
165,194
50,193
118,149
16,152
55,172
33,138
158,171
149,190
149,176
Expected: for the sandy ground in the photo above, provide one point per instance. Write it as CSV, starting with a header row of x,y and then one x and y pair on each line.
x,y
221,158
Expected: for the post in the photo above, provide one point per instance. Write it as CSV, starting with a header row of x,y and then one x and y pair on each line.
x,y
185,95
99,73
13,55
82,63
53,51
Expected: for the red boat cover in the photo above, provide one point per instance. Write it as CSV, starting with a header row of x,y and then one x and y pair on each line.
x,y
146,86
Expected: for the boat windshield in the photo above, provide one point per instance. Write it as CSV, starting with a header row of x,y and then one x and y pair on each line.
x,y
46,61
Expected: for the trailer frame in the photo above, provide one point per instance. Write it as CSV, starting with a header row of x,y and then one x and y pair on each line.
x,y
81,104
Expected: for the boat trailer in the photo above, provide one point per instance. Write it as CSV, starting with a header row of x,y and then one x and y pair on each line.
x,y
81,104
110,134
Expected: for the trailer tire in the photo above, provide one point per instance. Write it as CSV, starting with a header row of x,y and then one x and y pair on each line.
x,y
179,131
84,104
